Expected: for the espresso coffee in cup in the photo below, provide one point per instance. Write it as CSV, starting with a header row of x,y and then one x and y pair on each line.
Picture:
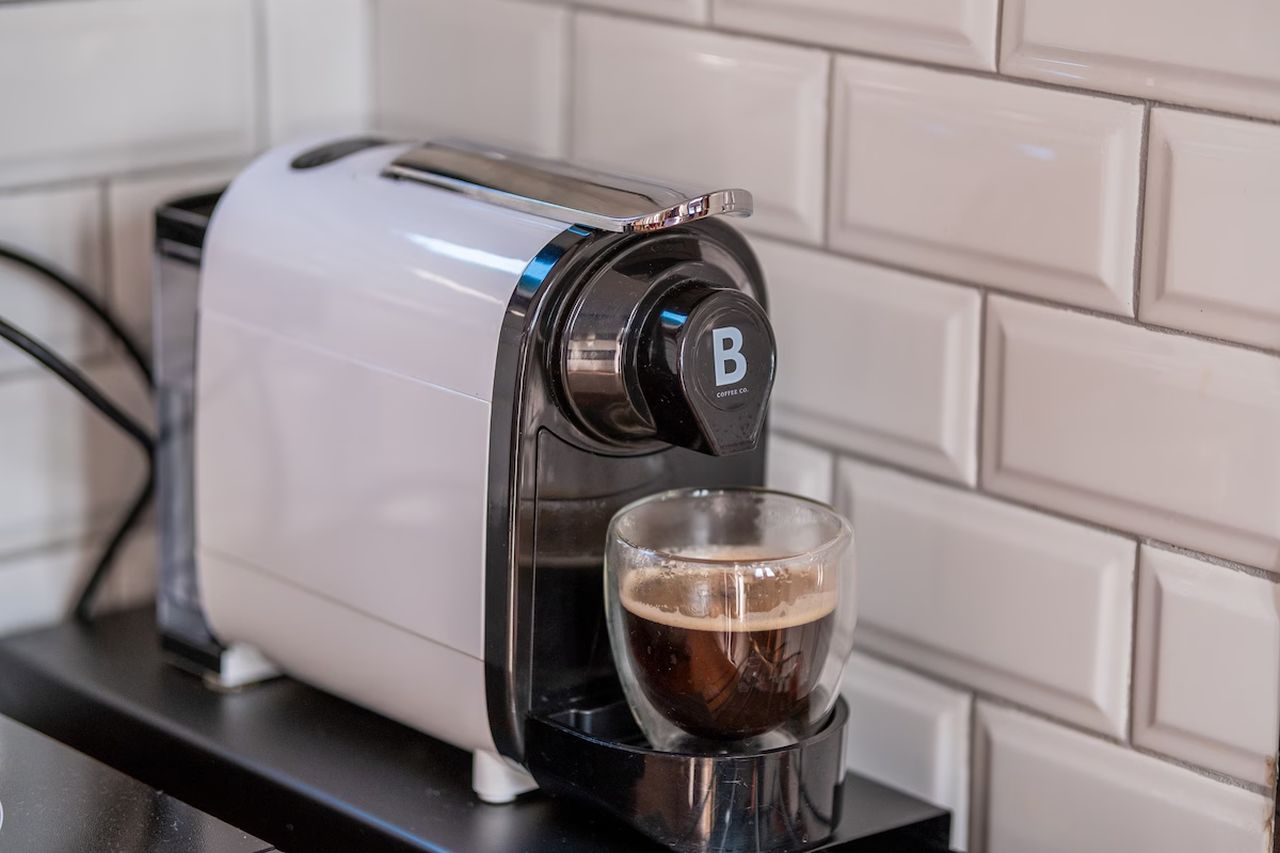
x,y
726,653
730,615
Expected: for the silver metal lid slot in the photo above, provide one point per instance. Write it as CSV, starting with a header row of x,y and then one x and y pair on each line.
x,y
560,191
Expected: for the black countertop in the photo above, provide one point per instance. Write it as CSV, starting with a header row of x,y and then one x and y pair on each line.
x,y
54,800
310,772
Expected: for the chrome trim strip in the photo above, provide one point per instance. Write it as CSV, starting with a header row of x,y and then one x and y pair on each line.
x,y
562,192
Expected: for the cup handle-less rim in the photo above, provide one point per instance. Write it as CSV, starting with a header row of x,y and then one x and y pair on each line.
x,y
842,536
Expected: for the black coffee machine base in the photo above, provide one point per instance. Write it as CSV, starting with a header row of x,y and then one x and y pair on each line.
x,y
782,799
310,773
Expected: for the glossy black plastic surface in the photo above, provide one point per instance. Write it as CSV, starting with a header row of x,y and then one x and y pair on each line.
x,y
705,365
554,482
328,152
181,225
784,799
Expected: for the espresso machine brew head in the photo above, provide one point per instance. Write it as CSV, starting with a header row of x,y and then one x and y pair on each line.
x,y
427,376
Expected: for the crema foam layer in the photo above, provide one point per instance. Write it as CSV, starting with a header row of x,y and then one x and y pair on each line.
x,y
728,597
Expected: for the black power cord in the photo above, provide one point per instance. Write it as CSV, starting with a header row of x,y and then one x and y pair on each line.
x,y
86,298
95,397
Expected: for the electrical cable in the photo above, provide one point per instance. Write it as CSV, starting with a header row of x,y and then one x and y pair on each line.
x,y
82,295
95,397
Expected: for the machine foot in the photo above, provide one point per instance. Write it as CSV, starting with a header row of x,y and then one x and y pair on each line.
x,y
495,780
240,667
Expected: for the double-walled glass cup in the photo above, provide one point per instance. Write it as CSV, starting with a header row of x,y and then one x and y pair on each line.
x,y
731,615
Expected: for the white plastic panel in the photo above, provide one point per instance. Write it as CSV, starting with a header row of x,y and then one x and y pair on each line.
x,y
348,337
403,676
394,274
364,487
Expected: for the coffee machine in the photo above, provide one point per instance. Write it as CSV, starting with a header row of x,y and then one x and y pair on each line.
x,y
422,380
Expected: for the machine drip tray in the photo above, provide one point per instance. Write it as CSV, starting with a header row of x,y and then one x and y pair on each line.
x,y
782,799
306,771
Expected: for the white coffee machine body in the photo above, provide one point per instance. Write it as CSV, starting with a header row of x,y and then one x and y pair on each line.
x,y
427,376
346,351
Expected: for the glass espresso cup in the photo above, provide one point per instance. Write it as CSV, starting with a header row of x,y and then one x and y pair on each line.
x,y
730,613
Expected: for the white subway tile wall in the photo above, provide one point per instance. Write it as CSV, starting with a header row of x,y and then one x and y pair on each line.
x,y
1206,682
873,360
1211,260
92,88
63,227
318,66
690,11
958,175
954,33
68,471
487,69
704,108
800,468
110,107
912,733
1164,435
1018,604
1046,788
1022,259
1217,55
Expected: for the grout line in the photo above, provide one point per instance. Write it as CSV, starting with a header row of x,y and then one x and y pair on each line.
x,y
828,154
982,695
109,295
262,99
935,66
165,170
568,110
106,256
971,840
960,486
980,417
31,370
372,69
1131,688
1220,562
1144,144
1005,292
999,34
62,541
838,496
1203,771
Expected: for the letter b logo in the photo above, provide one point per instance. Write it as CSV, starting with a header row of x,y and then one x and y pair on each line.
x,y
726,346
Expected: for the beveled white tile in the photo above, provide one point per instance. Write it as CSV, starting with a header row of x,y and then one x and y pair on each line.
x,y
91,88
1010,601
1042,787
131,204
1210,253
707,111
1219,55
1206,684
318,63
39,588
489,70
910,733
875,361
67,471
1017,187
64,228
953,33
690,11
1160,434
799,468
